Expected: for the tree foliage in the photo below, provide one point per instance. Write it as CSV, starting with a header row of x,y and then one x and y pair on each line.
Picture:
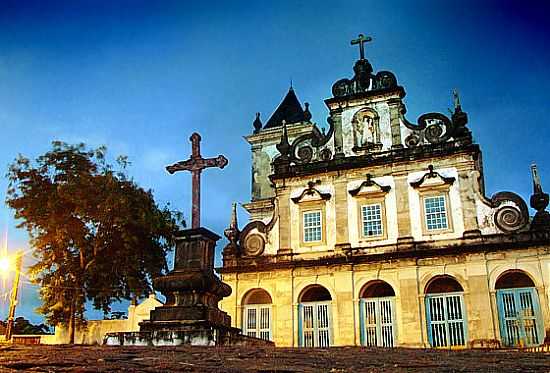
x,y
24,326
97,236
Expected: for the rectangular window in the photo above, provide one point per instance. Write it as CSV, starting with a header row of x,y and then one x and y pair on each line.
x,y
436,213
312,226
372,220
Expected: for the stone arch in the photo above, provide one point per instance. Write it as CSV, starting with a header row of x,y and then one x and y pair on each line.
x,y
299,289
365,280
526,269
443,284
427,278
514,279
256,296
314,293
376,289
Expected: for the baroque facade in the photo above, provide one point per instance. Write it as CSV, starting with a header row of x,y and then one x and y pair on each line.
x,y
378,232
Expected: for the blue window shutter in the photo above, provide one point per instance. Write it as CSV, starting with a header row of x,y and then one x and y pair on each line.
x,y
362,321
538,315
300,328
504,338
428,319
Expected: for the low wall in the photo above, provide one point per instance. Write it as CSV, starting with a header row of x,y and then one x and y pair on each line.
x,y
92,333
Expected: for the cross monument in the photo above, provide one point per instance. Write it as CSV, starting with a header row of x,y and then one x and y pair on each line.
x,y
361,40
195,164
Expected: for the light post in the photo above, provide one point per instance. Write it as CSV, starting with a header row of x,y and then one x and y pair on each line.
x,y
5,266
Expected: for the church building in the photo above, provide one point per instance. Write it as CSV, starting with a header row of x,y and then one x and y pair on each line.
x,y
378,231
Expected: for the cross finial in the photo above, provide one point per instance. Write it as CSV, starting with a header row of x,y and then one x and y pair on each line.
x,y
361,40
195,165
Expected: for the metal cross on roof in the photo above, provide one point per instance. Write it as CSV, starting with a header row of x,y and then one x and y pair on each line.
x,y
361,40
195,165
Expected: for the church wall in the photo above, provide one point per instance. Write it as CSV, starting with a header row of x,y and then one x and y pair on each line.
x,y
476,273
403,208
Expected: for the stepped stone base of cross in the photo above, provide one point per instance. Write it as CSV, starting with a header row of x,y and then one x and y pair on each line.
x,y
192,290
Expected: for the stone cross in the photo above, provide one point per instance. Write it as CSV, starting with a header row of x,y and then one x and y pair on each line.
x,y
361,39
195,165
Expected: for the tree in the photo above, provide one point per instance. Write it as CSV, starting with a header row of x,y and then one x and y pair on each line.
x,y
97,236
24,326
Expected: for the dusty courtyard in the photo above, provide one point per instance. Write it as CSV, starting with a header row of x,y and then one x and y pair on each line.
x,y
42,358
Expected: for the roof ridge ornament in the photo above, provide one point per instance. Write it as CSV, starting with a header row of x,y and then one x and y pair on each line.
x,y
431,174
539,201
311,190
257,123
456,101
232,232
369,183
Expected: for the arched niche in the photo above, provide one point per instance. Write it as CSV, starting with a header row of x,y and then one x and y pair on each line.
x,y
443,284
376,289
315,293
514,279
257,296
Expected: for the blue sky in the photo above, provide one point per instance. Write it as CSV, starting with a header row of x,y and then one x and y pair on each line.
x,y
141,76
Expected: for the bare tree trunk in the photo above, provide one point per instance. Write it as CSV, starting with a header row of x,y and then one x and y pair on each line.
x,y
72,322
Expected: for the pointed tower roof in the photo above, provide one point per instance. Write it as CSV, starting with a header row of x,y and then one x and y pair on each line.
x,y
289,110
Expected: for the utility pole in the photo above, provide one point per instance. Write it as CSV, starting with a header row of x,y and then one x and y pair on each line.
x,y
13,298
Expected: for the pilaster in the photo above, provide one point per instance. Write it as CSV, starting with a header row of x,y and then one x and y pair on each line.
x,y
341,206
395,126
283,195
404,232
467,199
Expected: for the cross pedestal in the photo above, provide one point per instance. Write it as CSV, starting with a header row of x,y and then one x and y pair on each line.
x,y
192,289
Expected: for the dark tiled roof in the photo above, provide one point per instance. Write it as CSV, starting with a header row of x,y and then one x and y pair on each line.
x,y
289,110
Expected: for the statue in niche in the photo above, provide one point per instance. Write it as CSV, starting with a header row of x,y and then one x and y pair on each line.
x,y
366,130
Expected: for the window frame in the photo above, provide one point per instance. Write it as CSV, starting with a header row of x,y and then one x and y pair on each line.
x,y
436,192
366,200
309,207
382,220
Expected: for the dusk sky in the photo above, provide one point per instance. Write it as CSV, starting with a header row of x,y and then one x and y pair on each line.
x,y
141,76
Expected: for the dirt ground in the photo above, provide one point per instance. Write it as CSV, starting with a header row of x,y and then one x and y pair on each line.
x,y
41,358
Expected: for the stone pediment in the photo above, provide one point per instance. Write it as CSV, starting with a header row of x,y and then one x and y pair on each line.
x,y
311,194
369,186
432,179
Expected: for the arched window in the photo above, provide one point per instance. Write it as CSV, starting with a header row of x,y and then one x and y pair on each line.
x,y
445,312
257,314
314,317
518,310
377,314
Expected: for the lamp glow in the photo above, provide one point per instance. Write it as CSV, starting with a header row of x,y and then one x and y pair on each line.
x,y
4,265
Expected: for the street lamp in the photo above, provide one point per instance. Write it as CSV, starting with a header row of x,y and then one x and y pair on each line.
x,y
5,266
